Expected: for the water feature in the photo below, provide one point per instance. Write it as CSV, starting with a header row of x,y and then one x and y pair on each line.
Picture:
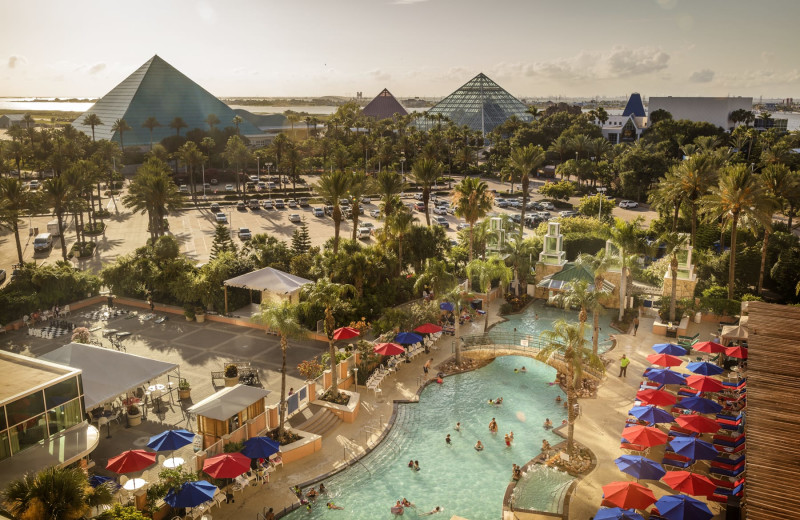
x,y
456,477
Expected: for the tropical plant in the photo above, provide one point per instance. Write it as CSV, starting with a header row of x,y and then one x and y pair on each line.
x,y
519,253
211,120
675,243
436,277
472,201
192,157
389,186
152,191
778,181
695,176
54,493
625,236
485,272
401,225
236,153
425,172
92,120
332,187
178,124
15,201
121,126
360,186
525,161
598,264
56,194
151,123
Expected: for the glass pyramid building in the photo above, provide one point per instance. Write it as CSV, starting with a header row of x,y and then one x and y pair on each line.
x,y
481,104
157,89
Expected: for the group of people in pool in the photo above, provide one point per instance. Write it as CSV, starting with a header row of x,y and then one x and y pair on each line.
x,y
312,496
516,472
400,507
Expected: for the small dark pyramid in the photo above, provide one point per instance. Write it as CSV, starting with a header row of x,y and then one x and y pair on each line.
x,y
384,106
635,107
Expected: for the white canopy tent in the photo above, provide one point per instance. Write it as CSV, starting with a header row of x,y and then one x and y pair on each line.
x,y
268,280
106,373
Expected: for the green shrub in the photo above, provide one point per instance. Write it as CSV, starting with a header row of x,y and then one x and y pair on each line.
x,y
506,308
578,243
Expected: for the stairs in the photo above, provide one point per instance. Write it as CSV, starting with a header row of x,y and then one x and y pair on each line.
x,y
321,422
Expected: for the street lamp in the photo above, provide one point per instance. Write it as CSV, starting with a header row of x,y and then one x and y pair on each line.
x,y
269,165
402,166
602,192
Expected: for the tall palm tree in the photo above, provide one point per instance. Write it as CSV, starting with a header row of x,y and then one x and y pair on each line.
x,y
695,176
401,223
567,340
777,180
437,277
461,298
579,294
472,201
279,144
329,295
561,146
121,126
674,243
192,157
598,264
237,120
525,161
211,120
92,120
518,253
487,271
178,124
625,235
56,193
360,186
667,196
425,172
15,201
389,186
28,120
332,187
151,123
152,191
236,153
281,318
738,195
54,494
292,117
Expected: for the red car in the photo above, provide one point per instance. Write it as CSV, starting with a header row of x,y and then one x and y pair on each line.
x,y
419,206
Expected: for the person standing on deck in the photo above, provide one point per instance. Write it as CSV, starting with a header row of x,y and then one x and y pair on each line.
x,y
623,365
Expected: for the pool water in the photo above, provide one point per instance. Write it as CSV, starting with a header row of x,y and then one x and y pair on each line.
x,y
456,477
528,492
527,322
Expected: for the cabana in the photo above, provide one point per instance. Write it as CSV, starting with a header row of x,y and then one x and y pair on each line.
x,y
272,283
228,410
733,333
571,273
107,374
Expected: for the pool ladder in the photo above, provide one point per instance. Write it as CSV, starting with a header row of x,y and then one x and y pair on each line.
x,y
354,460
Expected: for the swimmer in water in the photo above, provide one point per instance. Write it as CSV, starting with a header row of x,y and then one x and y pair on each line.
x,y
458,427
322,488
508,441
416,465
558,398
411,464
478,446
548,423
331,505
406,503
433,511
447,439
523,369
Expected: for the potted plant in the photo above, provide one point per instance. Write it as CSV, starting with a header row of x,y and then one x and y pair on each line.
x,y
189,313
231,375
184,389
134,415
200,314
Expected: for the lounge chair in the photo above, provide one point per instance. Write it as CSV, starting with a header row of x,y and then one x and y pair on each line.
x,y
688,341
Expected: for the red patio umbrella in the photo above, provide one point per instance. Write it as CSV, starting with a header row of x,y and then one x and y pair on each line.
x,y
627,495
698,423
345,333
389,349
647,436
428,328
130,461
737,352
708,346
689,483
704,383
664,360
227,465
656,397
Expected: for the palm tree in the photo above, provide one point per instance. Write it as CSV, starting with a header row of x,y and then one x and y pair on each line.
x,y
152,191
53,494
561,146
332,187
487,271
390,185
57,193
436,277
177,124
472,201
360,186
667,196
598,264
567,340
777,180
625,236
281,318
92,120
236,153
674,243
518,253
192,158
15,200
292,117
212,120
400,223
151,123
279,144
121,126
695,176
525,161
738,195
579,294
329,295
237,120
425,172
460,298
28,120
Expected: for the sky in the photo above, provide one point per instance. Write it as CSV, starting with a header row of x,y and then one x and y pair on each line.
x,y
426,48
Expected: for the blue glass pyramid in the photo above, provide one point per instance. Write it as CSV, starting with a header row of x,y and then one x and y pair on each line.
x,y
635,107
157,89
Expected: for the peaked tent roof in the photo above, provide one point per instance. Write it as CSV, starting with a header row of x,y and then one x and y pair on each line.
x,y
384,106
481,104
268,279
157,89
572,272
635,107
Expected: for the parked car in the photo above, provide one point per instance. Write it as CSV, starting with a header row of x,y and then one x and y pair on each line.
x,y
566,214
547,205
329,209
241,206
462,225
229,187
295,217
440,210
501,203
214,207
292,203
184,188
42,242
533,206
368,225
253,178
532,221
516,218
279,204
271,186
418,196
545,215
375,213
363,233
419,206
319,212
366,200
244,234
514,203
628,204
253,204
303,202
221,218
262,185
442,222
267,204
33,185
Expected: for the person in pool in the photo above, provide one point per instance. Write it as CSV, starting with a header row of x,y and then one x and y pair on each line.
x,y
322,488
545,445
548,423
458,427
411,464
558,398
493,426
433,511
447,439
312,495
406,503
478,446
508,441
523,369
331,505
398,509
416,465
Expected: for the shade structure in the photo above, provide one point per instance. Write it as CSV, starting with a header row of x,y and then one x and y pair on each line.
x,y
655,397
664,360
689,483
682,507
627,495
704,383
710,347
131,460
345,333
666,376
446,306
644,436
428,328
227,465
388,349
700,404
733,333
170,440
407,338
669,348
651,414
737,352
693,448
191,494
640,467
617,513
698,423
704,368
260,447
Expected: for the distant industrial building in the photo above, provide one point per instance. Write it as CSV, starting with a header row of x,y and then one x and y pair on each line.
x,y
714,110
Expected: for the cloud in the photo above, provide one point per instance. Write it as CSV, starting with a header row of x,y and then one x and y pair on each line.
x,y
408,2
380,75
702,76
667,4
206,12
624,62
99,67
13,61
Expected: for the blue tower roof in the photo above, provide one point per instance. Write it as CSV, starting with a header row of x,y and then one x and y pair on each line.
x,y
635,107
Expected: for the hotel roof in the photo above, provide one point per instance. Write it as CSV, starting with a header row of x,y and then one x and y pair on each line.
x,y
23,374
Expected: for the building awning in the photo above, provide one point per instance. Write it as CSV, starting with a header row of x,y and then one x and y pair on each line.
x,y
106,373
228,402
59,450
268,279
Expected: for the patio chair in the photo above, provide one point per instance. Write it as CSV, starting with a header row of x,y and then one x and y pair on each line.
x,y
275,460
65,311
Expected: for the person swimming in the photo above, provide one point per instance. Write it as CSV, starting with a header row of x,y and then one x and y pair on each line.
x,y
437,509
447,439
511,436
398,509
508,441
416,465
458,427
406,503
493,426
322,488
548,423
478,446
558,398
411,464
312,494
523,369
331,505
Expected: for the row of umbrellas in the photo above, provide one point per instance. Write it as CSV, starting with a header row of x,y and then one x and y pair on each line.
x,y
394,348
709,347
671,507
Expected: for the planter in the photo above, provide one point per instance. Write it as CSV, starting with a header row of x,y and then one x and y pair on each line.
x,y
188,318
200,318
232,381
134,419
308,445
184,394
347,413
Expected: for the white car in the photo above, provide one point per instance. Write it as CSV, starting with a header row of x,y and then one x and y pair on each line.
x,y
229,187
244,233
34,185
319,212
440,210
295,217
548,206
441,221
364,233
628,204
184,188
292,203
375,213
462,225
221,218
565,214
266,204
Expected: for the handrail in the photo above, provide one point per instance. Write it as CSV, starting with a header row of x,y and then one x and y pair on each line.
x,y
354,460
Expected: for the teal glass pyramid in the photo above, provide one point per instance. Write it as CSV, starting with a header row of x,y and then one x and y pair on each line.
x,y
481,104
157,89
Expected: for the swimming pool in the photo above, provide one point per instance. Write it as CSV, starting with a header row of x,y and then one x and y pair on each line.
x,y
458,478
528,491
526,322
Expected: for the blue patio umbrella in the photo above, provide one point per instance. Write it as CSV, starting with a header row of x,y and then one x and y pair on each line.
x,y
260,447
447,306
640,467
651,414
407,338
191,494
669,348
705,368
700,405
97,480
666,376
693,448
682,507
617,513
170,440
